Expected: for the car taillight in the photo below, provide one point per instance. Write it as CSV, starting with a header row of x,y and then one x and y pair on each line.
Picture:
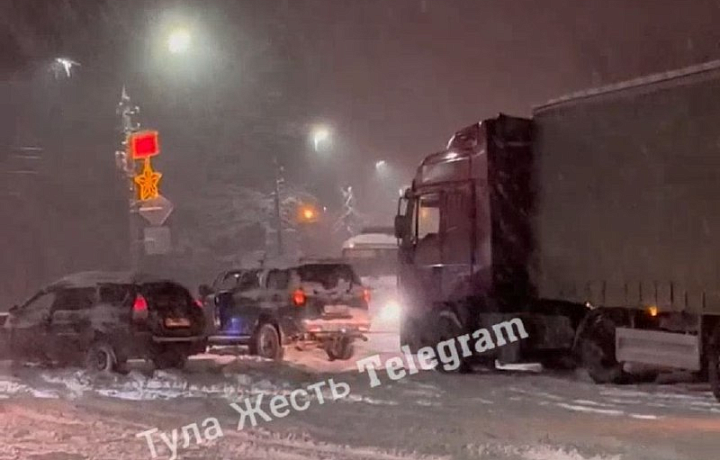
x,y
298,297
197,303
140,305
366,295
140,309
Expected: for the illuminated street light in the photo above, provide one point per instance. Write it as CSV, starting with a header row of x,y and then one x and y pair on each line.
x,y
319,135
179,41
63,65
380,165
307,213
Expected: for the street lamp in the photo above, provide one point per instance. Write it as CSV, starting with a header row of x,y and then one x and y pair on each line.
x,y
179,41
63,65
307,213
320,134
380,165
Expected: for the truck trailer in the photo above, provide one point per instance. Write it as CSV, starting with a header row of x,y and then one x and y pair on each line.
x,y
595,221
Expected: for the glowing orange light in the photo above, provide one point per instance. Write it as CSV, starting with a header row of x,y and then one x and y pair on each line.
x,y
148,182
307,213
653,311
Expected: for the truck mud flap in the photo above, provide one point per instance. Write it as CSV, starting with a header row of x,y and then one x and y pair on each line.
x,y
662,349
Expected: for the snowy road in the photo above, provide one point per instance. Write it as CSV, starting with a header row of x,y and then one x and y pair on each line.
x,y
65,414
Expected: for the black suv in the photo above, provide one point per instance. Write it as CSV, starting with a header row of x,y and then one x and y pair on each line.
x,y
102,319
321,303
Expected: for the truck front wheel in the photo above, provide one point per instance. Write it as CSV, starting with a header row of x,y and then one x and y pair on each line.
x,y
598,351
449,329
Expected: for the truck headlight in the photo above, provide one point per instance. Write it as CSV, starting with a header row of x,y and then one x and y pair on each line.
x,y
391,312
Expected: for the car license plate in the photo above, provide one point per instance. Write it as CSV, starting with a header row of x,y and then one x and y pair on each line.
x,y
177,322
337,309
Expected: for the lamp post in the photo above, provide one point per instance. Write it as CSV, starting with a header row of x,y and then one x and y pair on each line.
x,y
279,180
126,110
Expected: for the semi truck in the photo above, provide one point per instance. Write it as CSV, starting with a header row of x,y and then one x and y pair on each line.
x,y
596,221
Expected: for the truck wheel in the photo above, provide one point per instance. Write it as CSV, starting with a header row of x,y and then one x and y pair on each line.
x,y
713,358
598,352
449,329
100,358
265,342
341,349
170,358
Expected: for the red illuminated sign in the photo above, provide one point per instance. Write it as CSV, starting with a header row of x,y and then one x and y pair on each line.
x,y
143,144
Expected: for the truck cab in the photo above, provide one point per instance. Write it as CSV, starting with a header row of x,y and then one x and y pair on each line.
x,y
466,247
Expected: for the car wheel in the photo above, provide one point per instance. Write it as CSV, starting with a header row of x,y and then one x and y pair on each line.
x,y
170,359
101,358
340,349
266,342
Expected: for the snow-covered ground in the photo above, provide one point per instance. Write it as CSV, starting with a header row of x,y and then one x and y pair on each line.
x,y
68,414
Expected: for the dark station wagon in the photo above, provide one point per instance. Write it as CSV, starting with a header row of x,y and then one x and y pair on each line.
x,y
102,319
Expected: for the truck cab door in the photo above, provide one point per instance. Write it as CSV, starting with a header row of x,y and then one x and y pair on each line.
x,y
458,242
421,272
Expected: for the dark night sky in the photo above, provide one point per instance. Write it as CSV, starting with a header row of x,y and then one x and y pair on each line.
x,y
393,78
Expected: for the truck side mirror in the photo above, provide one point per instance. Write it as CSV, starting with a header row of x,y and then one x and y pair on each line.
x,y
401,227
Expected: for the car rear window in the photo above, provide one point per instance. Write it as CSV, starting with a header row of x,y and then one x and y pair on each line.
x,y
227,281
329,275
241,280
164,295
278,279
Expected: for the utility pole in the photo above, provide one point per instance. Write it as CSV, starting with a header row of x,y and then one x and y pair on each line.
x,y
278,205
126,110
